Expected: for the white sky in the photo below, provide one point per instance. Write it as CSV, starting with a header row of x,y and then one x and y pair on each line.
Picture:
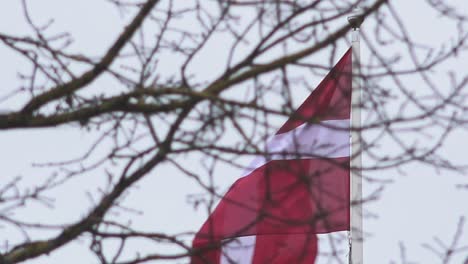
x,y
412,210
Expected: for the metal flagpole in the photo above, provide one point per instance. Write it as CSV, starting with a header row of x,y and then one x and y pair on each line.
x,y
356,231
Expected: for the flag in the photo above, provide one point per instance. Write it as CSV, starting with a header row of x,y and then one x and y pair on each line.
x,y
292,204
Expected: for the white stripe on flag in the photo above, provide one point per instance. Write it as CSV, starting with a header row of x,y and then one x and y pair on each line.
x,y
239,250
327,139
333,248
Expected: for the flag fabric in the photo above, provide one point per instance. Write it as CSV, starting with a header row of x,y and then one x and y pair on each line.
x,y
291,205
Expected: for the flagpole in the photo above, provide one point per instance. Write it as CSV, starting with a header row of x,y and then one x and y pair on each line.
x,y
356,231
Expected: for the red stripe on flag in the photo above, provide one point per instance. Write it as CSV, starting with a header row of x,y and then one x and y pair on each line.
x,y
282,197
206,252
331,100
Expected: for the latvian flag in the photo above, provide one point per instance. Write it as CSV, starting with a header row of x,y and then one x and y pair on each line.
x,y
292,204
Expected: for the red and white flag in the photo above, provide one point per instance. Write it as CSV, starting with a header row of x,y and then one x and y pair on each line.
x,y
292,205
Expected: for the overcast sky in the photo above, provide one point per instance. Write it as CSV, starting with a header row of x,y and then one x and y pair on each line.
x,y
412,210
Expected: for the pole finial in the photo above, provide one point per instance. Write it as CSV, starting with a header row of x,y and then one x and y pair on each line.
x,y
356,18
